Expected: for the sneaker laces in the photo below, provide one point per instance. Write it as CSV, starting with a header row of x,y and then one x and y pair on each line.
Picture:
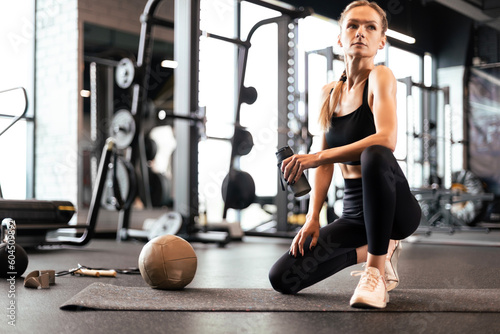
x,y
368,280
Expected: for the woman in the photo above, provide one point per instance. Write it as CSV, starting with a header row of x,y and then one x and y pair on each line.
x,y
359,119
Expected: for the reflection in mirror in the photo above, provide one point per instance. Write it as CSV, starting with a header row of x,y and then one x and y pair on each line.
x,y
109,78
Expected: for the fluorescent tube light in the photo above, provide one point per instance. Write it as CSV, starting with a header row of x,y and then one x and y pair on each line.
x,y
400,36
169,63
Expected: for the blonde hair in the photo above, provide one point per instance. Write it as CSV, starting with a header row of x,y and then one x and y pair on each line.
x,y
327,110
372,5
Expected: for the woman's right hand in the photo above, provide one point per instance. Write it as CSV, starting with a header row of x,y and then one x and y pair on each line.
x,y
310,228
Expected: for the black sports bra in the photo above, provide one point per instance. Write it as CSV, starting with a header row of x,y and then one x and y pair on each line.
x,y
352,127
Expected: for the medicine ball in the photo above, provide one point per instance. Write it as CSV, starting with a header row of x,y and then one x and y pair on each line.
x,y
167,262
12,260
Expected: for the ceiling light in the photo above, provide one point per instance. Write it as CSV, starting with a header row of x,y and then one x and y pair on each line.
x,y
400,36
169,64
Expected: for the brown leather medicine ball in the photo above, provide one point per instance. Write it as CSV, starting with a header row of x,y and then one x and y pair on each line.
x,y
168,262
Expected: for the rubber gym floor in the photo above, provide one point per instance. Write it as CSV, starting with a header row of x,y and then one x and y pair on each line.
x,y
429,262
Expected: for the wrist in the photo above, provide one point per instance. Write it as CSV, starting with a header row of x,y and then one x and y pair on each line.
x,y
312,217
322,157
318,158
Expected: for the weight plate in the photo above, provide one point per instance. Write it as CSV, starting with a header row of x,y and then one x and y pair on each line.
x,y
122,128
108,198
238,189
124,73
160,188
169,223
465,182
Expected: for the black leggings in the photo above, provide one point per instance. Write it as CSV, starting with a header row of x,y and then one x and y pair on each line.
x,y
392,212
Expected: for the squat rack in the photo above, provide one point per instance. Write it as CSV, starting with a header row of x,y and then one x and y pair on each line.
x,y
443,195
186,103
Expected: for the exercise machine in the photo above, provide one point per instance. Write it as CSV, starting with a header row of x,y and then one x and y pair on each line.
x,y
188,119
128,173
450,203
38,221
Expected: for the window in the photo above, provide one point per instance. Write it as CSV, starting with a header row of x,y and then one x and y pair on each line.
x,y
17,68
405,64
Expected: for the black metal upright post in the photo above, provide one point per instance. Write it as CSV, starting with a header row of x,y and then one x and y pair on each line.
x,y
186,34
281,200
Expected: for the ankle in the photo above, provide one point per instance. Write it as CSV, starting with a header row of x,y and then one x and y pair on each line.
x,y
361,254
376,261
381,270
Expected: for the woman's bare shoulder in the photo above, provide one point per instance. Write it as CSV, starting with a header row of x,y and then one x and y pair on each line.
x,y
382,81
382,72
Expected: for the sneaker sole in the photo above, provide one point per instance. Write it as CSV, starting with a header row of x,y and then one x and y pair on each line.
x,y
368,304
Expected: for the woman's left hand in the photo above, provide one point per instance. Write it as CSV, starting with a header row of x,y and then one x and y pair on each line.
x,y
292,167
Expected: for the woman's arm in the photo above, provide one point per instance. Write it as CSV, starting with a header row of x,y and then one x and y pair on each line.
x,y
322,181
383,103
383,85
324,173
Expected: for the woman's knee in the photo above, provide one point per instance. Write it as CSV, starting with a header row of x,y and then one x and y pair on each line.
x,y
283,281
375,152
376,156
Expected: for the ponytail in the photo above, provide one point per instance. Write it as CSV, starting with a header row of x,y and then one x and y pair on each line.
x,y
327,110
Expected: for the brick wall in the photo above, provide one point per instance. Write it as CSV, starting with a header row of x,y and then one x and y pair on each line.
x,y
56,101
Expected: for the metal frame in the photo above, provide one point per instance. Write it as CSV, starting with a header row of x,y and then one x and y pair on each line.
x,y
187,17
15,119
426,135
137,150
287,16
444,198
186,99
89,227
186,118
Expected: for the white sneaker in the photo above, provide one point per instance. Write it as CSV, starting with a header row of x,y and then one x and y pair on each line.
x,y
391,267
371,290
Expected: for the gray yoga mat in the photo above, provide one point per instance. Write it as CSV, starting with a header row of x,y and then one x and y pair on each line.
x,y
99,296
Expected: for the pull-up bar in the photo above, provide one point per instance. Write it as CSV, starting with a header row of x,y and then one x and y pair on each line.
x,y
410,83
